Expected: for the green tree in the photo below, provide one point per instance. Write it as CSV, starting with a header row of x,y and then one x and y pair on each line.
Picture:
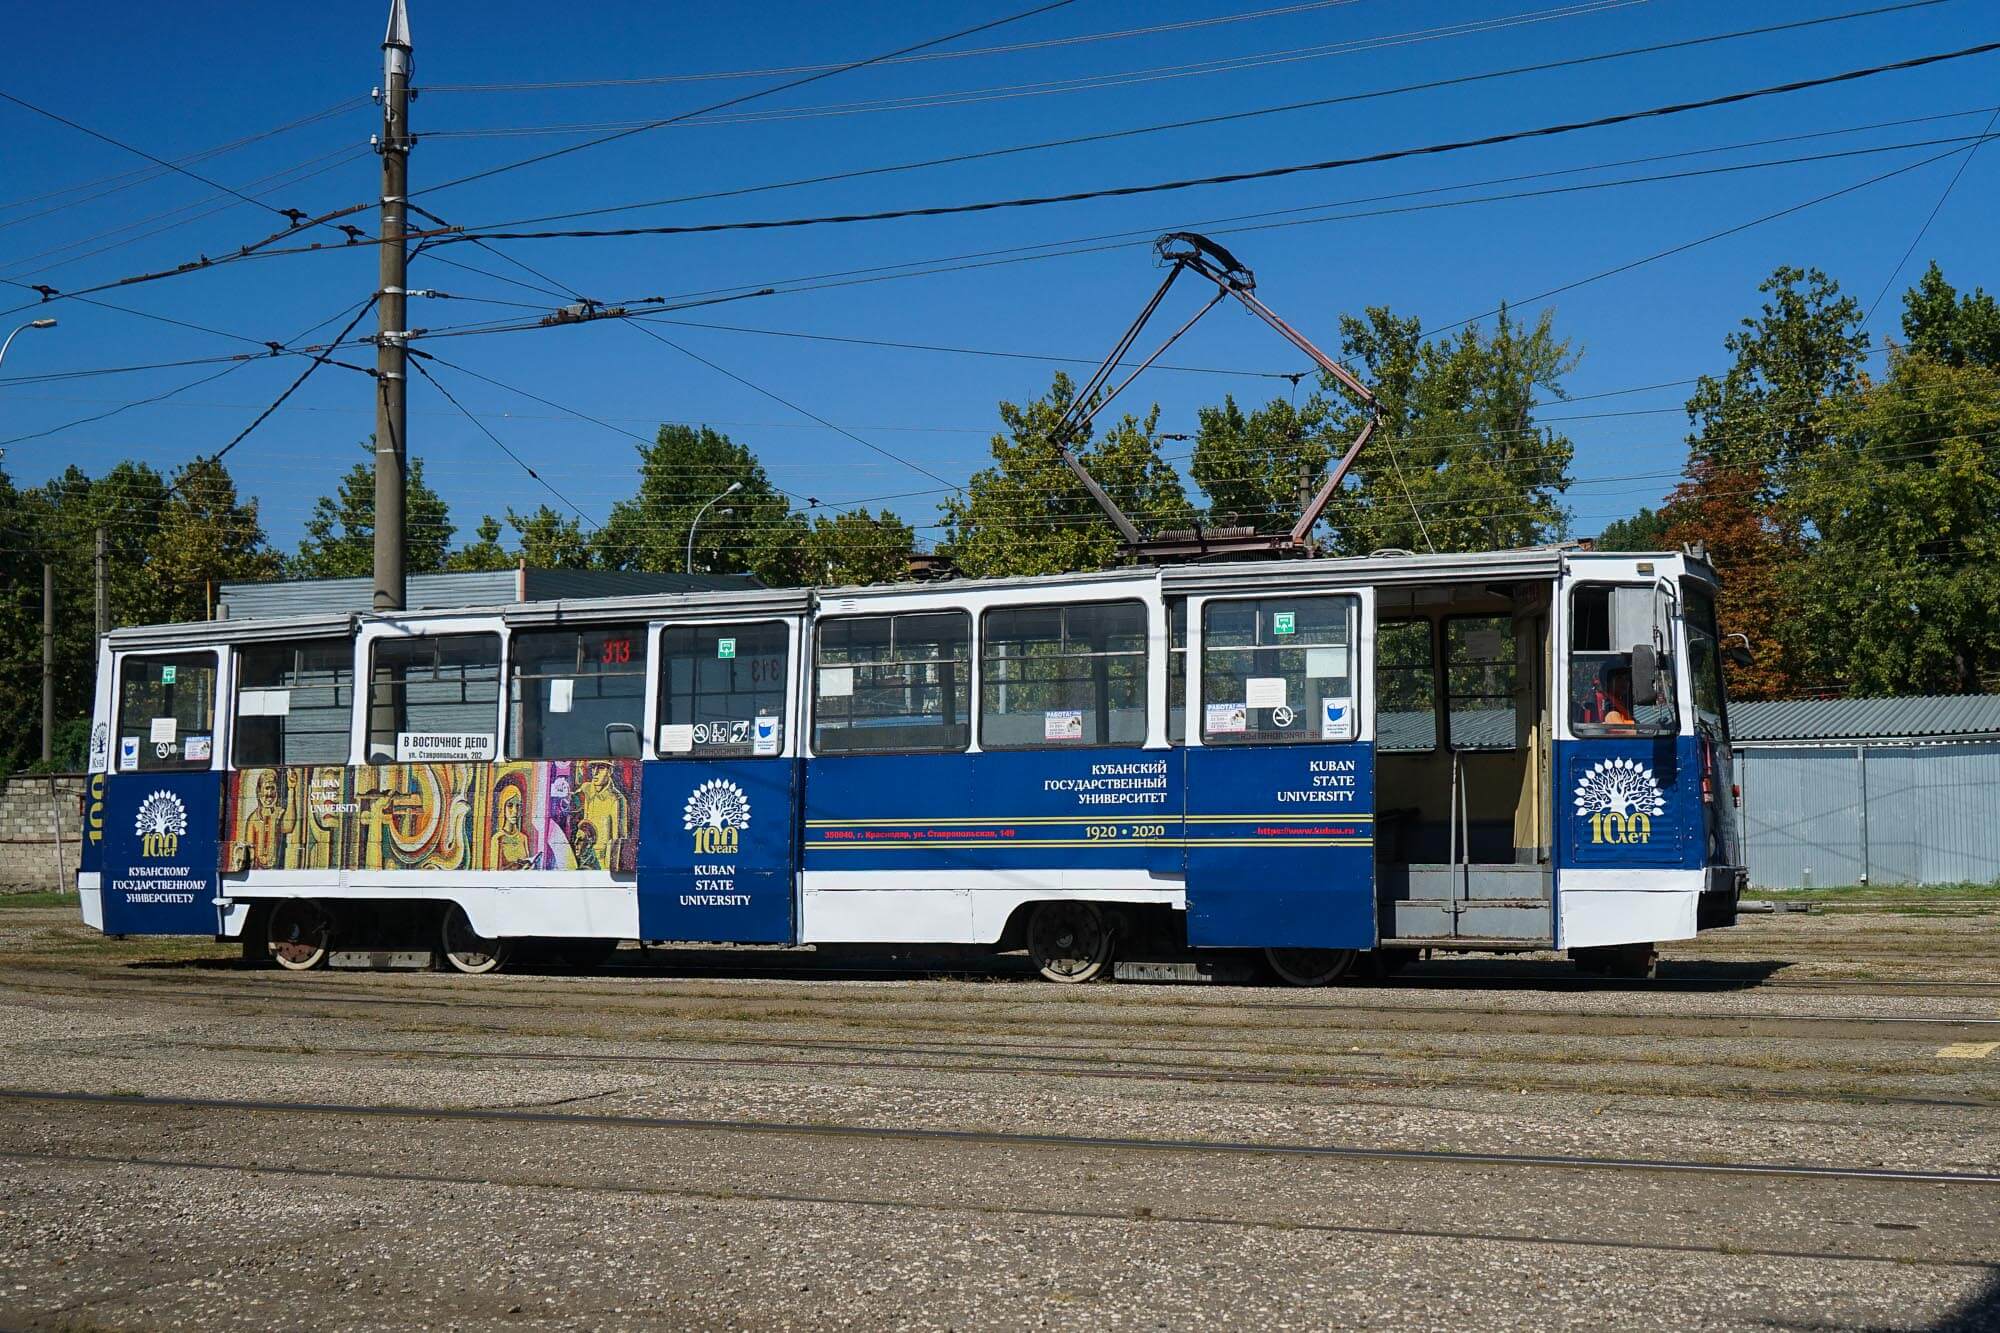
x,y
547,540
207,534
1898,592
340,532
1950,329
846,549
1027,514
1644,531
1458,463
680,472
483,552
1249,465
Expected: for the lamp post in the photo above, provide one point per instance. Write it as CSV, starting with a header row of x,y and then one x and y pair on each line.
x,y
31,324
733,487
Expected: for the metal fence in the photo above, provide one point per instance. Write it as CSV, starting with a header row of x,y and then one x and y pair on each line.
x,y
1881,813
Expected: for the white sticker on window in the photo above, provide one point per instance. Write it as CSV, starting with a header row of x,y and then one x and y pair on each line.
x,y
1062,724
199,748
1336,718
264,703
1264,692
836,682
1220,719
165,729
1326,663
128,753
765,735
442,747
562,695
677,738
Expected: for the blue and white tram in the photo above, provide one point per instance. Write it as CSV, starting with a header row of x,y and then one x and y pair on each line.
x,y
1317,760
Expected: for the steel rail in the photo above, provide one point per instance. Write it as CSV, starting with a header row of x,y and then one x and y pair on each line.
x,y
1001,1138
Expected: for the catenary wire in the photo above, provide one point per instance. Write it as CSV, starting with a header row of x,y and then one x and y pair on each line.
x,y
1922,231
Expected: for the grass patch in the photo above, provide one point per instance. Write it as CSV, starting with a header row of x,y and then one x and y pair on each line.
x,y
1915,894
40,898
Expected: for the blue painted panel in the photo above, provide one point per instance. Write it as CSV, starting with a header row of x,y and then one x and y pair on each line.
x,y
1112,808
1630,804
717,847
91,860
1281,846
161,866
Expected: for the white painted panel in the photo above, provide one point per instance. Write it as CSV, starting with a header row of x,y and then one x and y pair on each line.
x,y
92,900
1624,916
601,910
861,916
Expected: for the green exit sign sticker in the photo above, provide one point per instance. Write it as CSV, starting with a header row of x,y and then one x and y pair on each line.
x,y
1281,623
167,674
725,648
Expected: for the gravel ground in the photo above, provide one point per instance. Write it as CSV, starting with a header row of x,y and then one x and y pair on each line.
x,y
130,1214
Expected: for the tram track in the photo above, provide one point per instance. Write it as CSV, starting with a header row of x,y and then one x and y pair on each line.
x,y
1146,1216
998,1138
1004,1061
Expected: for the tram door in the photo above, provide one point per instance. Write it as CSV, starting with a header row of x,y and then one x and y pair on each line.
x,y
1281,772
718,827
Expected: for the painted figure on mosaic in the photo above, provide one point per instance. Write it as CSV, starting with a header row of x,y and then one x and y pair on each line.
x,y
509,848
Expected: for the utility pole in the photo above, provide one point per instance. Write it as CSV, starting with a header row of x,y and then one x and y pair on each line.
x,y
48,662
100,570
391,310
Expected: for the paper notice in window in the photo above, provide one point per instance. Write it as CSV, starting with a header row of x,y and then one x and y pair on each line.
x,y
562,695
836,682
1336,718
1264,692
165,729
764,735
1485,645
198,749
443,747
1062,724
264,703
1326,663
1219,719
677,739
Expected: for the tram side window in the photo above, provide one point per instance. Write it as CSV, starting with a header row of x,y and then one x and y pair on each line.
x,y
577,693
895,683
1177,650
1607,621
1059,676
1704,650
1278,669
166,711
435,696
722,690
294,702
1480,670
1406,688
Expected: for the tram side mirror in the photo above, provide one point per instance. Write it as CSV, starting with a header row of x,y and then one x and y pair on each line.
x,y
621,740
1645,675
1738,655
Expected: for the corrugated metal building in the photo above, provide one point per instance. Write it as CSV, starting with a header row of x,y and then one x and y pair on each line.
x,y
437,592
1869,791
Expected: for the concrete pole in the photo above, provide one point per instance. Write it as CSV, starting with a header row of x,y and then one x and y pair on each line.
x,y
48,662
100,574
391,309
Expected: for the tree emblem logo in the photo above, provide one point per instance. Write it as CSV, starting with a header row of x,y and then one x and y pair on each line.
x,y
161,822
716,811
1621,799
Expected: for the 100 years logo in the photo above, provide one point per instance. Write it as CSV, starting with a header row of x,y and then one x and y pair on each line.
x,y
716,812
1621,798
161,822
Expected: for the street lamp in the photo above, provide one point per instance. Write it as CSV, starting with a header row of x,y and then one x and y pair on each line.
x,y
32,324
734,487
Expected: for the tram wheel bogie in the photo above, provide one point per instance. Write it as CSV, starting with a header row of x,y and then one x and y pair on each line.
x,y
1070,941
1310,967
298,933
465,949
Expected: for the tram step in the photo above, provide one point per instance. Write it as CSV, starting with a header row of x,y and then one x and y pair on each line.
x,y
1444,881
1221,969
1444,918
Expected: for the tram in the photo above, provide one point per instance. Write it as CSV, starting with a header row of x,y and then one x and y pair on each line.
x,y
1324,764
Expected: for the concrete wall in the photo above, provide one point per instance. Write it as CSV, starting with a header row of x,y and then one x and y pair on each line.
x,y
31,811
1879,813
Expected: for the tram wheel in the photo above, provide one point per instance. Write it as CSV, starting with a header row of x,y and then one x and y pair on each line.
x,y
298,934
466,950
1069,942
1310,967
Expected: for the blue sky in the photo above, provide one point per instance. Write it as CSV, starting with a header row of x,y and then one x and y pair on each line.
x,y
179,79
